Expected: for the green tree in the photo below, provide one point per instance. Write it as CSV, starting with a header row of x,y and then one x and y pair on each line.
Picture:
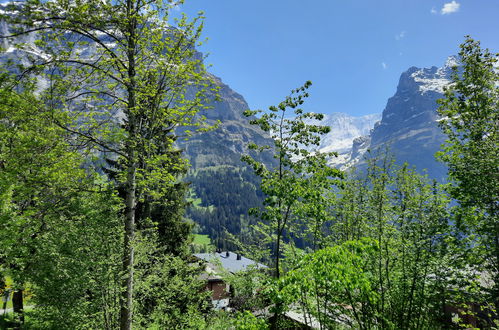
x,y
104,60
59,233
74,274
340,288
180,301
296,187
288,186
470,119
397,280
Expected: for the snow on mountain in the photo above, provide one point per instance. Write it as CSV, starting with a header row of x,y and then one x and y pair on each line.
x,y
433,79
409,123
409,114
344,129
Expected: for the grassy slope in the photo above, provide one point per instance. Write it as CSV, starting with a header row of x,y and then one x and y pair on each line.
x,y
201,239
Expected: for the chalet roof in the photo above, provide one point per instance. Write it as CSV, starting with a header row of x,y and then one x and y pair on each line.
x,y
228,260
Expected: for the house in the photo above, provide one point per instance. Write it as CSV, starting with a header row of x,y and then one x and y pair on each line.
x,y
220,291
219,263
215,265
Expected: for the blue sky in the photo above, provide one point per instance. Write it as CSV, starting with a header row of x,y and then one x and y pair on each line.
x,y
353,51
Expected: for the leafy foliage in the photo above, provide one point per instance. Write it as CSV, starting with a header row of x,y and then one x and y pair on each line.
x,y
125,79
388,261
339,280
470,119
169,293
300,176
59,232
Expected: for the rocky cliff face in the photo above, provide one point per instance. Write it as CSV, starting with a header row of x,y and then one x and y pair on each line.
x,y
409,123
225,144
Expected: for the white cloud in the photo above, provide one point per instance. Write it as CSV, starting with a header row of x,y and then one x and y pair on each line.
x,y
384,65
433,11
401,35
450,7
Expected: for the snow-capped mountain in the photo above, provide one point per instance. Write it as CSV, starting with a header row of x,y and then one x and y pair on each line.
x,y
344,129
409,123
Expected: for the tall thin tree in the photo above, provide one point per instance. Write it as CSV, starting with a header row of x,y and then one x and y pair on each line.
x,y
129,78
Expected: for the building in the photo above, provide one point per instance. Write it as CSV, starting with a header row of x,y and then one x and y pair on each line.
x,y
218,263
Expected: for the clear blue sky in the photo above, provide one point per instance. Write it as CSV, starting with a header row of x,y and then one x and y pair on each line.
x,y
353,51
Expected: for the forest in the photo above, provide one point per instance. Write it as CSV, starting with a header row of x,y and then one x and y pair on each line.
x,y
94,191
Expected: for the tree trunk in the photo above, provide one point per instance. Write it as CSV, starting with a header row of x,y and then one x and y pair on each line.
x,y
126,301
18,306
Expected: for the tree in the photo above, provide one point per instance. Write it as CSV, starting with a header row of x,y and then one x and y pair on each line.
x,y
58,229
74,274
288,184
340,288
299,180
387,259
103,60
29,151
470,119
179,302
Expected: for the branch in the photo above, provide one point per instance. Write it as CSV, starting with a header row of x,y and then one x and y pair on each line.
x,y
92,139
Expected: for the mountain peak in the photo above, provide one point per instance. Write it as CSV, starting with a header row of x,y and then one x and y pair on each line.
x,y
433,79
408,127
452,61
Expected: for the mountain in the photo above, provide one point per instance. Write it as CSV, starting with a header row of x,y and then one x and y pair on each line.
x,y
409,123
225,144
344,129
223,188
